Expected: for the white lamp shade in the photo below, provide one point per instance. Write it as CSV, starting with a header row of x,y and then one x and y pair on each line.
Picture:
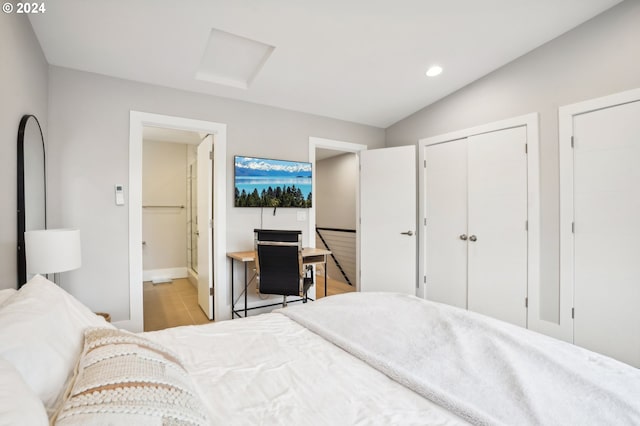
x,y
49,251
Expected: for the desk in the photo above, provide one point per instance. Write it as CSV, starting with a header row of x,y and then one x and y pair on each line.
x,y
310,256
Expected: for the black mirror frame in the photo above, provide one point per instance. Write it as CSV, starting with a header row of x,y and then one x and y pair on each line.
x,y
21,255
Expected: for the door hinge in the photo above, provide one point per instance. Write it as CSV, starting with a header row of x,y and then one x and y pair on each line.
x,y
573,227
425,279
573,313
210,155
211,291
526,302
526,148
526,225
425,164
425,221
572,142
210,223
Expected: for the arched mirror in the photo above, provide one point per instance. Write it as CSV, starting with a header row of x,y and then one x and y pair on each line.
x,y
32,187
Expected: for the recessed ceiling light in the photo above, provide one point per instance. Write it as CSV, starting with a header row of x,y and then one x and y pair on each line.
x,y
434,70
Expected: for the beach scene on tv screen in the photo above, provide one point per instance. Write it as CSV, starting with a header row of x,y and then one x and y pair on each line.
x,y
262,182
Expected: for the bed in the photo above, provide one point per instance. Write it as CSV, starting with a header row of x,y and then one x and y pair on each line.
x,y
355,359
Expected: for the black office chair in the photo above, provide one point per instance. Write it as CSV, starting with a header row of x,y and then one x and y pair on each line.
x,y
279,264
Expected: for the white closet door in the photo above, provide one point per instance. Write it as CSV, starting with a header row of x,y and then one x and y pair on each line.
x,y
446,228
497,259
607,231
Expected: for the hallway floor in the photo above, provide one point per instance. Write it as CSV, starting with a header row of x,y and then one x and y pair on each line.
x,y
171,305
176,303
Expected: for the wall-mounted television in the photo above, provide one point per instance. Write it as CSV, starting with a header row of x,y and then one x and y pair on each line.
x,y
263,182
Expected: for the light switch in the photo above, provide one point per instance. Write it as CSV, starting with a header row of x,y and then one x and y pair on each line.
x,y
302,216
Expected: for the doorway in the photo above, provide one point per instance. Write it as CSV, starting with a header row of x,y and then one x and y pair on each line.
x,y
170,235
219,306
334,215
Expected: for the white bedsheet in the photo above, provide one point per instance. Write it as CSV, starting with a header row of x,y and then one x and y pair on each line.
x,y
268,370
487,371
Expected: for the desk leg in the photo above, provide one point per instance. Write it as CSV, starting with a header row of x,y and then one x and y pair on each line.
x,y
245,289
233,299
325,276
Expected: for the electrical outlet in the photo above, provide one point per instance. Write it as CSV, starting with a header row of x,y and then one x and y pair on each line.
x,y
302,216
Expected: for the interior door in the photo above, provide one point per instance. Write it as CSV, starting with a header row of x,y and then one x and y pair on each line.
x,y
497,224
205,226
607,231
388,220
446,222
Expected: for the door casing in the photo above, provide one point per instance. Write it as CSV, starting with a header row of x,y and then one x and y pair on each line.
x,y
137,121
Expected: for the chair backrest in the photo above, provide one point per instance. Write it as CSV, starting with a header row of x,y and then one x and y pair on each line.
x,y
279,261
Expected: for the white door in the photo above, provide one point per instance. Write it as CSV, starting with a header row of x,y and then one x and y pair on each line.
x,y
388,220
205,223
497,224
607,231
446,222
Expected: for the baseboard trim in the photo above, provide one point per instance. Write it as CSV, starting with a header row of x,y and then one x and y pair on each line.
x,y
172,273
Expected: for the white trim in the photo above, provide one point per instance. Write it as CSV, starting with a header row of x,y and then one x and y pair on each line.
x,y
137,121
170,273
315,143
531,121
565,123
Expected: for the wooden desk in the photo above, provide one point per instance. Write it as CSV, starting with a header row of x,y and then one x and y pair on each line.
x,y
310,256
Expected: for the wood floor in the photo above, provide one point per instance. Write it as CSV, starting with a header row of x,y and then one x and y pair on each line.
x,y
171,305
176,303
333,287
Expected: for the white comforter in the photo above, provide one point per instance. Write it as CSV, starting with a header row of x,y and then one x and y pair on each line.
x,y
485,370
269,370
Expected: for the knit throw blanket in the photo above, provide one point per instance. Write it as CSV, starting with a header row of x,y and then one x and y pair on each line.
x,y
486,371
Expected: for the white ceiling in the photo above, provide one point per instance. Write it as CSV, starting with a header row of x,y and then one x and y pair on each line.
x,y
356,60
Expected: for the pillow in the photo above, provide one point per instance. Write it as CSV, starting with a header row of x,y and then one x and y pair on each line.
x,y
123,378
41,332
6,293
18,405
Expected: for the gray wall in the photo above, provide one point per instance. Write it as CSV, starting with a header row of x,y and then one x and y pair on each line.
x,y
164,183
89,143
336,179
23,90
598,58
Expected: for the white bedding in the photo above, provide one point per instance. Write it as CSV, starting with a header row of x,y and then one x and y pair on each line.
x,y
331,366
486,371
270,370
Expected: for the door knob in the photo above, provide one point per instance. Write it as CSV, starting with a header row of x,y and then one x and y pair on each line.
x,y
463,237
473,238
409,233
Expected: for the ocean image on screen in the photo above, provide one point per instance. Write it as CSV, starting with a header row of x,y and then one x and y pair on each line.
x,y
262,182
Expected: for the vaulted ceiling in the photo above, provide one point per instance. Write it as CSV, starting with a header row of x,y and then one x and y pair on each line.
x,y
356,60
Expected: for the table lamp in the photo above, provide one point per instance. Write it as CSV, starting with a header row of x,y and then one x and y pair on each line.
x,y
51,251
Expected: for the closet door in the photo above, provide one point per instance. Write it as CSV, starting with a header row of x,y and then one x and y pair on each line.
x,y
446,222
497,249
607,231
